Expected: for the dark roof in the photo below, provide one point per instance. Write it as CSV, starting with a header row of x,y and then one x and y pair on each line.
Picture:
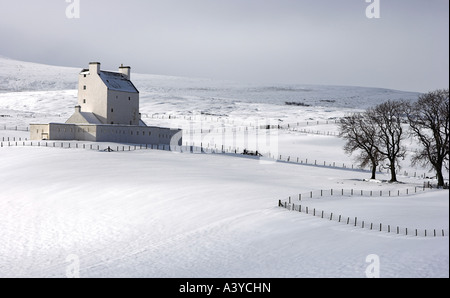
x,y
117,81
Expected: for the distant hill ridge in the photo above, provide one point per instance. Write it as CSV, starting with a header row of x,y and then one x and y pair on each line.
x,y
16,76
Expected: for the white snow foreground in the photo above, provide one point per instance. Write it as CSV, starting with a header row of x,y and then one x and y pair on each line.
x,y
160,214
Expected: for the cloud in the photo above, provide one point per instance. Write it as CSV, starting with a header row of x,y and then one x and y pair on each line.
x,y
292,41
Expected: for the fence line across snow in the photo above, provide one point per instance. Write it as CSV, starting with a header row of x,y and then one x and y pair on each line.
x,y
209,149
362,224
316,194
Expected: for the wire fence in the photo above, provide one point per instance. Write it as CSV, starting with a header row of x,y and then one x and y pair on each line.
x,y
249,122
14,128
209,149
363,224
302,161
326,193
93,146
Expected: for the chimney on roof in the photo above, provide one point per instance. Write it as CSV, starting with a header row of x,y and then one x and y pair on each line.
x,y
77,109
126,70
94,67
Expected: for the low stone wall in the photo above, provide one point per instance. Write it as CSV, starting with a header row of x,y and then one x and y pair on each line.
x,y
107,133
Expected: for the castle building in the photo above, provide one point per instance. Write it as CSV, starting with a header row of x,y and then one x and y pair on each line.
x,y
107,111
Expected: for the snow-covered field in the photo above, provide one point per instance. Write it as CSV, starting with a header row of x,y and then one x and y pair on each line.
x,y
150,213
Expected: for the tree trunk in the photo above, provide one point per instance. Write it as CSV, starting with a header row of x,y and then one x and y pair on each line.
x,y
393,174
374,170
440,176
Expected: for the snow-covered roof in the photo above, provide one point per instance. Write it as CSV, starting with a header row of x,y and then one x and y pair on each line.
x,y
142,123
90,118
117,81
83,118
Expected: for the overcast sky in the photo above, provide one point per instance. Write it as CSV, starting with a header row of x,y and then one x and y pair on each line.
x,y
329,42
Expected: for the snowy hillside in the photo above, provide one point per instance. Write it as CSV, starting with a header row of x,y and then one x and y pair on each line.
x,y
160,214
25,76
222,97
150,213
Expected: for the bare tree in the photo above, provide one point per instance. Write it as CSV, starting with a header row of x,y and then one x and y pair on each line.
x,y
388,118
429,122
361,136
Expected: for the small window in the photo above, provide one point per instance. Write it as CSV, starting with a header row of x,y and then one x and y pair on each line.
x,y
84,75
132,133
84,100
117,97
129,97
112,110
149,133
112,122
131,122
37,131
84,87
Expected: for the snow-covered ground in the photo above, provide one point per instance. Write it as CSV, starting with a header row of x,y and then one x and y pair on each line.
x,y
150,213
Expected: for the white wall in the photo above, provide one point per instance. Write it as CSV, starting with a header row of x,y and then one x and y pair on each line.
x,y
107,133
39,132
95,95
126,111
